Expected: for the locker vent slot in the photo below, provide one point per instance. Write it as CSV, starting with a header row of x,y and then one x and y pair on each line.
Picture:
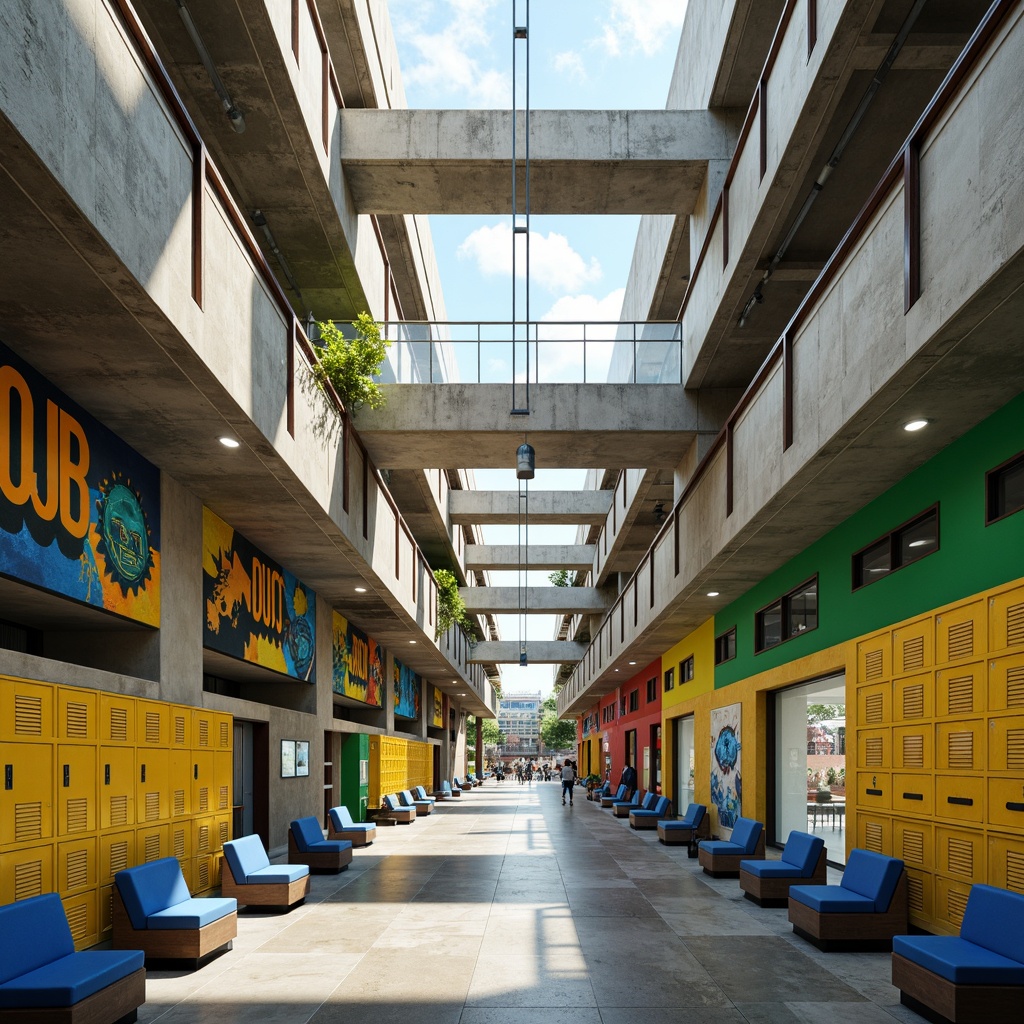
x,y
225,832
873,836
179,802
961,750
913,847
179,843
1015,625
119,724
77,868
913,751
1015,870
204,876
204,799
78,921
118,856
28,821
873,752
152,726
152,847
961,641
223,805
956,903
1015,687
873,708
913,653
915,893
204,839
225,736
28,879
913,701
78,815
960,854
28,715
179,730
204,733
76,720
152,807
119,810
1015,749
961,696
873,665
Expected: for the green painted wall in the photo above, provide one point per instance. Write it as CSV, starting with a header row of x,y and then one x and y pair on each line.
x,y
971,556
355,747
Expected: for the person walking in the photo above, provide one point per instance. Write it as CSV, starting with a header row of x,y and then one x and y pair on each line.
x,y
568,781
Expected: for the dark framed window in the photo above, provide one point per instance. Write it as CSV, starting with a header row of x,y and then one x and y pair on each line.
x,y
1004,489
634,699
622,706
908,543
725,646
686,670
670,679
652,689
792,614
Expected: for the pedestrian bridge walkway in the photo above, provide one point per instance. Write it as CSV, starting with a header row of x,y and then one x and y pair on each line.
x,y
506,908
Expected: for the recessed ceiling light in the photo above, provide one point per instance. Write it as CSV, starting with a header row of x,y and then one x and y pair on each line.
x,y
412,641
915,425
632,663
712,593
460,695
229,442
360,590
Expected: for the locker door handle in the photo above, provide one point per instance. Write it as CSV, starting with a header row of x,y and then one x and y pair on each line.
x,y
142,774
8,776
963,801
1011,806
913,796
106,775
67,775
195,771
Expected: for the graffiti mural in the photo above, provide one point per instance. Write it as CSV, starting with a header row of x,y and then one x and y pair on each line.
x,y
357,663
437,705
407,691
79,509
255,610
726,785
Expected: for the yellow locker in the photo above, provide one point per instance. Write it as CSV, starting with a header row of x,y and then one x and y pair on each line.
x,y
1006,862
1006,803
1006,620
76,714
204,799
913,793
961,633
180,782
960,746
912,697
187,873
874,790
874,704
874,658
117,852
181,727
117,787
960,853
26,710
25,873
83,918
222,781
874,833
151,843
1006,744
960,691
205,874
874,748
76,789
960,797
26,798
204,729
76,866
912,747
181,840
913,647
222,736
912,843
152,784
106,909
117,718
919,896
152,723
222,826
1006,683
204,835
950,902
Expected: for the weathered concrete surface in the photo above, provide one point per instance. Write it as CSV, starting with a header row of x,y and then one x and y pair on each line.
x,y
546,507
538,652
539,600
580,425
581,161
538,556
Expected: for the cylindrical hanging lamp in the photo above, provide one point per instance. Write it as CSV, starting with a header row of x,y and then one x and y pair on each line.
x,y
524,462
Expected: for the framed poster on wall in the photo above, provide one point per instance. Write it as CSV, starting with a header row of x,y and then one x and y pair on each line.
x,y
287,759
302,757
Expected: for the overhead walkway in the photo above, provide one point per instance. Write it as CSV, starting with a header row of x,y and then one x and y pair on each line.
x,y
509,908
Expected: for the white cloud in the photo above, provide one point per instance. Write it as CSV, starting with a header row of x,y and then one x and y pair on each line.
x,y
644,25
563,360
570,64
554,264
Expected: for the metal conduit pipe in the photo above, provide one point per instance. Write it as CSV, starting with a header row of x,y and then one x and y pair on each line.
x,y
232,111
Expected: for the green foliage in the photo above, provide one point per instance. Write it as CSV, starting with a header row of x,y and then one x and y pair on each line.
x,y
451,609
493,736
559,578
557,734
824,712
350,364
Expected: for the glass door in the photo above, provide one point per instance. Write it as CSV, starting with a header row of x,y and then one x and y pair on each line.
x,y
684,764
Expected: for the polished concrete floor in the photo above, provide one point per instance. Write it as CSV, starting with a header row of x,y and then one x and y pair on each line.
x,y
504,907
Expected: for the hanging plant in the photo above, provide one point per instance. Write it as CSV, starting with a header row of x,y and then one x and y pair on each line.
x,y
451,609
350,364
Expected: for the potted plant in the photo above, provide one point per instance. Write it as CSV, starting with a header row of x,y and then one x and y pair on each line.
x,y
592,782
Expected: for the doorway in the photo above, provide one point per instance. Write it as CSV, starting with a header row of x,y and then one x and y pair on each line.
x,y
251,780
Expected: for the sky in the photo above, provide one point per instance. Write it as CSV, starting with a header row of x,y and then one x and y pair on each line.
x,y
584,54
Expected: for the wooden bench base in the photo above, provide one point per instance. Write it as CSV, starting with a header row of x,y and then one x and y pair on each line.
x,y
331,861
118,1002
684,836
774,892
943,1001
358,837
852,931
171,943
720,865
263,894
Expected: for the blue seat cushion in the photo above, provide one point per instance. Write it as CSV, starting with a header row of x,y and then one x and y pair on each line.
x,y
245,856
745,834
306,831
341,818
149,888
671,824
33,933
721,848
327,845
958,960
994,918
70,979
832,899
802,852
770,869
873,875
193,913
277,873
694,815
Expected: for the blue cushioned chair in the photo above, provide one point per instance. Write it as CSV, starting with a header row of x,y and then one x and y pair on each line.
x,y
866,909
396,812
446,792
41,975
306,845
619,794
457,783
767,882
421,807
252,880
421,794
621,808
977,975
154,911
693,825
648,819
721,858
341,826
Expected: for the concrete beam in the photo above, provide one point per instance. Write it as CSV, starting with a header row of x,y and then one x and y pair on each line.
x,y
538,600
538,556
581,161
538,652
546,507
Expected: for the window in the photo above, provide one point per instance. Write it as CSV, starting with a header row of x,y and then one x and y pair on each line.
x,y
622,706
670,679
725,646
686,670
1004,489
652,689
792,614
634,700
608,714
907,543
